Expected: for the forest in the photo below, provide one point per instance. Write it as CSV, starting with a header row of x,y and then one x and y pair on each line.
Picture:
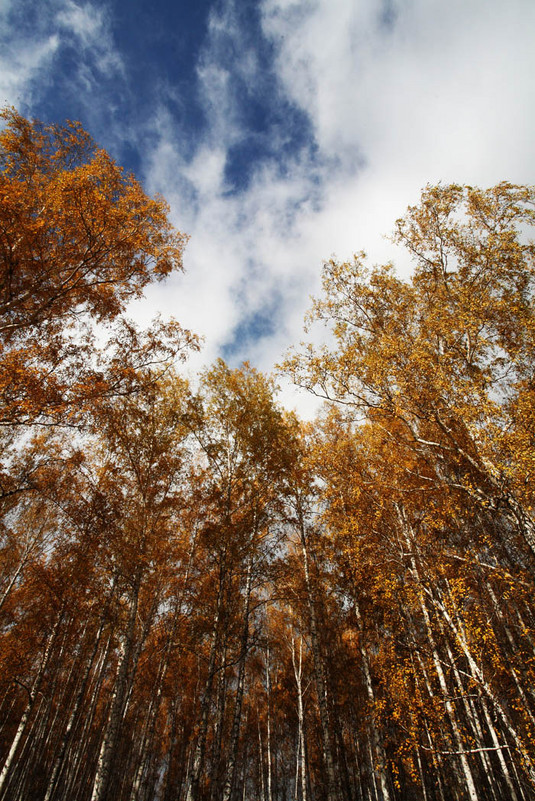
x,y
204,598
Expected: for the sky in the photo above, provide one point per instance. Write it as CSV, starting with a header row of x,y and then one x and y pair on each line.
x,y
281,132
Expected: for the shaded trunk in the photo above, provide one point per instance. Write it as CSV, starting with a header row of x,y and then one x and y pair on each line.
x,y
230,777
73,717
297,664
193,790
33,693
119,695
379,760
437,661
333,791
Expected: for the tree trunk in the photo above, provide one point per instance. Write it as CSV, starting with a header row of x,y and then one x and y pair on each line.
x,y
269,782
78,700
33,692
333,792
230,777
477,673
111,733
301,754
459,745
379,761
193,790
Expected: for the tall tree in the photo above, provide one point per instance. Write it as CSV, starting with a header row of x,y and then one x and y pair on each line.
x,y
243,436
78,240
448,354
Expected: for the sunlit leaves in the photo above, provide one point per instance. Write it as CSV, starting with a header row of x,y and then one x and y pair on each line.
x,y
78,240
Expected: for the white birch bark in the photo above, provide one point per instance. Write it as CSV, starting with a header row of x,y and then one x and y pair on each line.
x,y
478,674
269,790
230,777
32,695
333,792
301,753
77,769
379,761
73,716
411,548
499,751
109,741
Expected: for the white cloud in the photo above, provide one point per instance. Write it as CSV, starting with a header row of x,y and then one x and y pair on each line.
x,y
22,57
89,26
32,44
446,93
84,21
397,93
206,171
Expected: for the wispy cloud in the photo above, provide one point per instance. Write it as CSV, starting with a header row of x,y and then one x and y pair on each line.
x,y
304,128
234,273
87,26
60,48
393,95
24,55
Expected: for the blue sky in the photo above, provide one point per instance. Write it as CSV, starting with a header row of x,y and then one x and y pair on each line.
x,y
280,131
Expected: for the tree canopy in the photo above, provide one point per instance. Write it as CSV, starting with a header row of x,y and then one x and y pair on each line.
x,y
78,239
203,597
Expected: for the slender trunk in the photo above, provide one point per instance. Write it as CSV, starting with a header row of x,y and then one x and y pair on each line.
x,y
357,761
450,710
477,673
472,718
499,751
148,730
333,793
110,739
169,787
510,639
155,703
244,765
23,561
421,669
193,790
38,748
260,759
411,548
236,721
65,740
268,728
301,756
525,523
373,789
18,779
215,774
379,755
78,767
33,692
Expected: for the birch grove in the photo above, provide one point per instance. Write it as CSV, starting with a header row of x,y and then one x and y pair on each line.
x,y
203,597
